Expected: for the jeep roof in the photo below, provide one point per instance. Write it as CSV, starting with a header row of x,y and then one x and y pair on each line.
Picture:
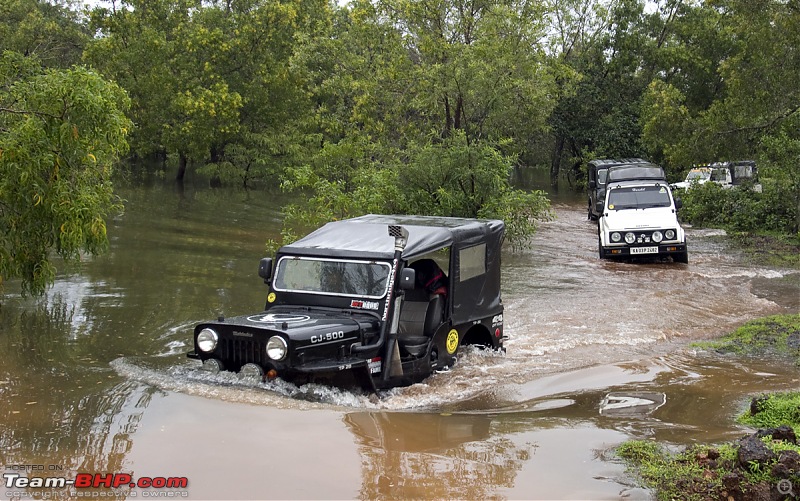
x,y
366,236
474,292
641,171
605,163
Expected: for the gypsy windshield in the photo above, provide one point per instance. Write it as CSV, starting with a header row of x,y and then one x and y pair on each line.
x,y
699,175
332,277
638,197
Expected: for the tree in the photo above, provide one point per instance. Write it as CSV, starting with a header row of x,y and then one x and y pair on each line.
x,y
753,109
603,46
422,109
212,82
60,133
52,31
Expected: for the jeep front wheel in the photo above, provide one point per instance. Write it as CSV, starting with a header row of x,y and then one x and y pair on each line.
x,y
682,257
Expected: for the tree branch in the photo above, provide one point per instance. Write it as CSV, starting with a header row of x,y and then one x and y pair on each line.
x,y
25,112
762,126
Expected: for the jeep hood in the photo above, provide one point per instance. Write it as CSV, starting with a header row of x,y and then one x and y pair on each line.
x,y
631,219
299,324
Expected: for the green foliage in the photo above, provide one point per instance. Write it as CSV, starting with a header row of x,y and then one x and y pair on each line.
x,y
741,209
602,46
455,178
54,32
214,83
422,108
696,473
671,477
732,96
781,160
62,131
775,410
769,335
451,178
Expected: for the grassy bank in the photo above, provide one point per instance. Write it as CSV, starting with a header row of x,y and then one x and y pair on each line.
x,y
761,466
770,249
777,335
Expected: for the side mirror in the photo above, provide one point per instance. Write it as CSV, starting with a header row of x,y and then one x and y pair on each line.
x,y
599,206
592,184
408,278
678,203
265,269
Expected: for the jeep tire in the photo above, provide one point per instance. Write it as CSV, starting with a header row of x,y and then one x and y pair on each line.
x,y
682,257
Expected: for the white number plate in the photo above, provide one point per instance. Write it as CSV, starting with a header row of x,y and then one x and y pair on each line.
x,y
644,250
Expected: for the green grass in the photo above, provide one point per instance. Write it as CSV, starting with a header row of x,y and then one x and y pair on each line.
x,y
770,249
777,334
775,410
697,473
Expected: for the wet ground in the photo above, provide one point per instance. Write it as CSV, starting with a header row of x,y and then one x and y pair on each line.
x,y
95,380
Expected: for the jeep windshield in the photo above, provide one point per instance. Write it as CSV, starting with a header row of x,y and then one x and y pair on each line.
x,y
334,277
698,175
638,197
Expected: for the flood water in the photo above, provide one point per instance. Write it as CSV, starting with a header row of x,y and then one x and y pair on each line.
x,y
94,377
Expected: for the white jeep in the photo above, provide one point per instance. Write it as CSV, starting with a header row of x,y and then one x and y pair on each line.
x,y
639,219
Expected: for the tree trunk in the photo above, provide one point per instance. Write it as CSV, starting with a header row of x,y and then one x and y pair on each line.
x,y
459,112
181,168
448,117
555,162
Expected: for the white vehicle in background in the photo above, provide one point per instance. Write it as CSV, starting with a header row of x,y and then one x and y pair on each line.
x,y
725,174
696,176
640,219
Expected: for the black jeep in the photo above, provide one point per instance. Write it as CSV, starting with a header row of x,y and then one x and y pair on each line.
x,y
597,172
376,301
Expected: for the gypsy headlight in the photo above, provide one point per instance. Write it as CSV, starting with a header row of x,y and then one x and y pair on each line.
x,y
207,340
670,234
616,237
630,238
277,348
657,236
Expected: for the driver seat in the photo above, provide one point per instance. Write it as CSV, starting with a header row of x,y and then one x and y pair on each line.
x,y
420,316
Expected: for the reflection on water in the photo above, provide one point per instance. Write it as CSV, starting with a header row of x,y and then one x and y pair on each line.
x,y
173,261
95,379
432,455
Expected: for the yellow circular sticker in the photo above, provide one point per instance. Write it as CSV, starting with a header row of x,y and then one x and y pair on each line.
x,y
271,297
452,341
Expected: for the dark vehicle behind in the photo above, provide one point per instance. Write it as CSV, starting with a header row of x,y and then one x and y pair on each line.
x,y
597,174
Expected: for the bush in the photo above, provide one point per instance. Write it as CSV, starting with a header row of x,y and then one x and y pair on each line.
x,y
448,178
740,209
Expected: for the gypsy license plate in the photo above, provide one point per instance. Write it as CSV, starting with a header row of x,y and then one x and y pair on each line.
x,y
644,250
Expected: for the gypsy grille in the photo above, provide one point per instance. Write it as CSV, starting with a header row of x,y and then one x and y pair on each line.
x,y
646,237
237,352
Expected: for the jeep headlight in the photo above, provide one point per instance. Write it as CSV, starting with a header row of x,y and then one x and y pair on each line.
x,y
277,348
657,236
630,238
207,340
670,234
616,237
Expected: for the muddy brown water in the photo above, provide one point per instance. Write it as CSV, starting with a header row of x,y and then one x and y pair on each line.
x,y
94,377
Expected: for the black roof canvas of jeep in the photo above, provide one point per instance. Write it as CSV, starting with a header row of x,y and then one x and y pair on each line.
x,y
630,172
367,236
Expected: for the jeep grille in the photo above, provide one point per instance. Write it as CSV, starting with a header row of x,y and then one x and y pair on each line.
x,y
237,352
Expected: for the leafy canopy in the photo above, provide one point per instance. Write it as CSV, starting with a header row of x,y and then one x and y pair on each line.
x,y
60,133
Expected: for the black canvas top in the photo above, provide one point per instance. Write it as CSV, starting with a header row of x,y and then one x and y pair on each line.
x,y
630,172
368,236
